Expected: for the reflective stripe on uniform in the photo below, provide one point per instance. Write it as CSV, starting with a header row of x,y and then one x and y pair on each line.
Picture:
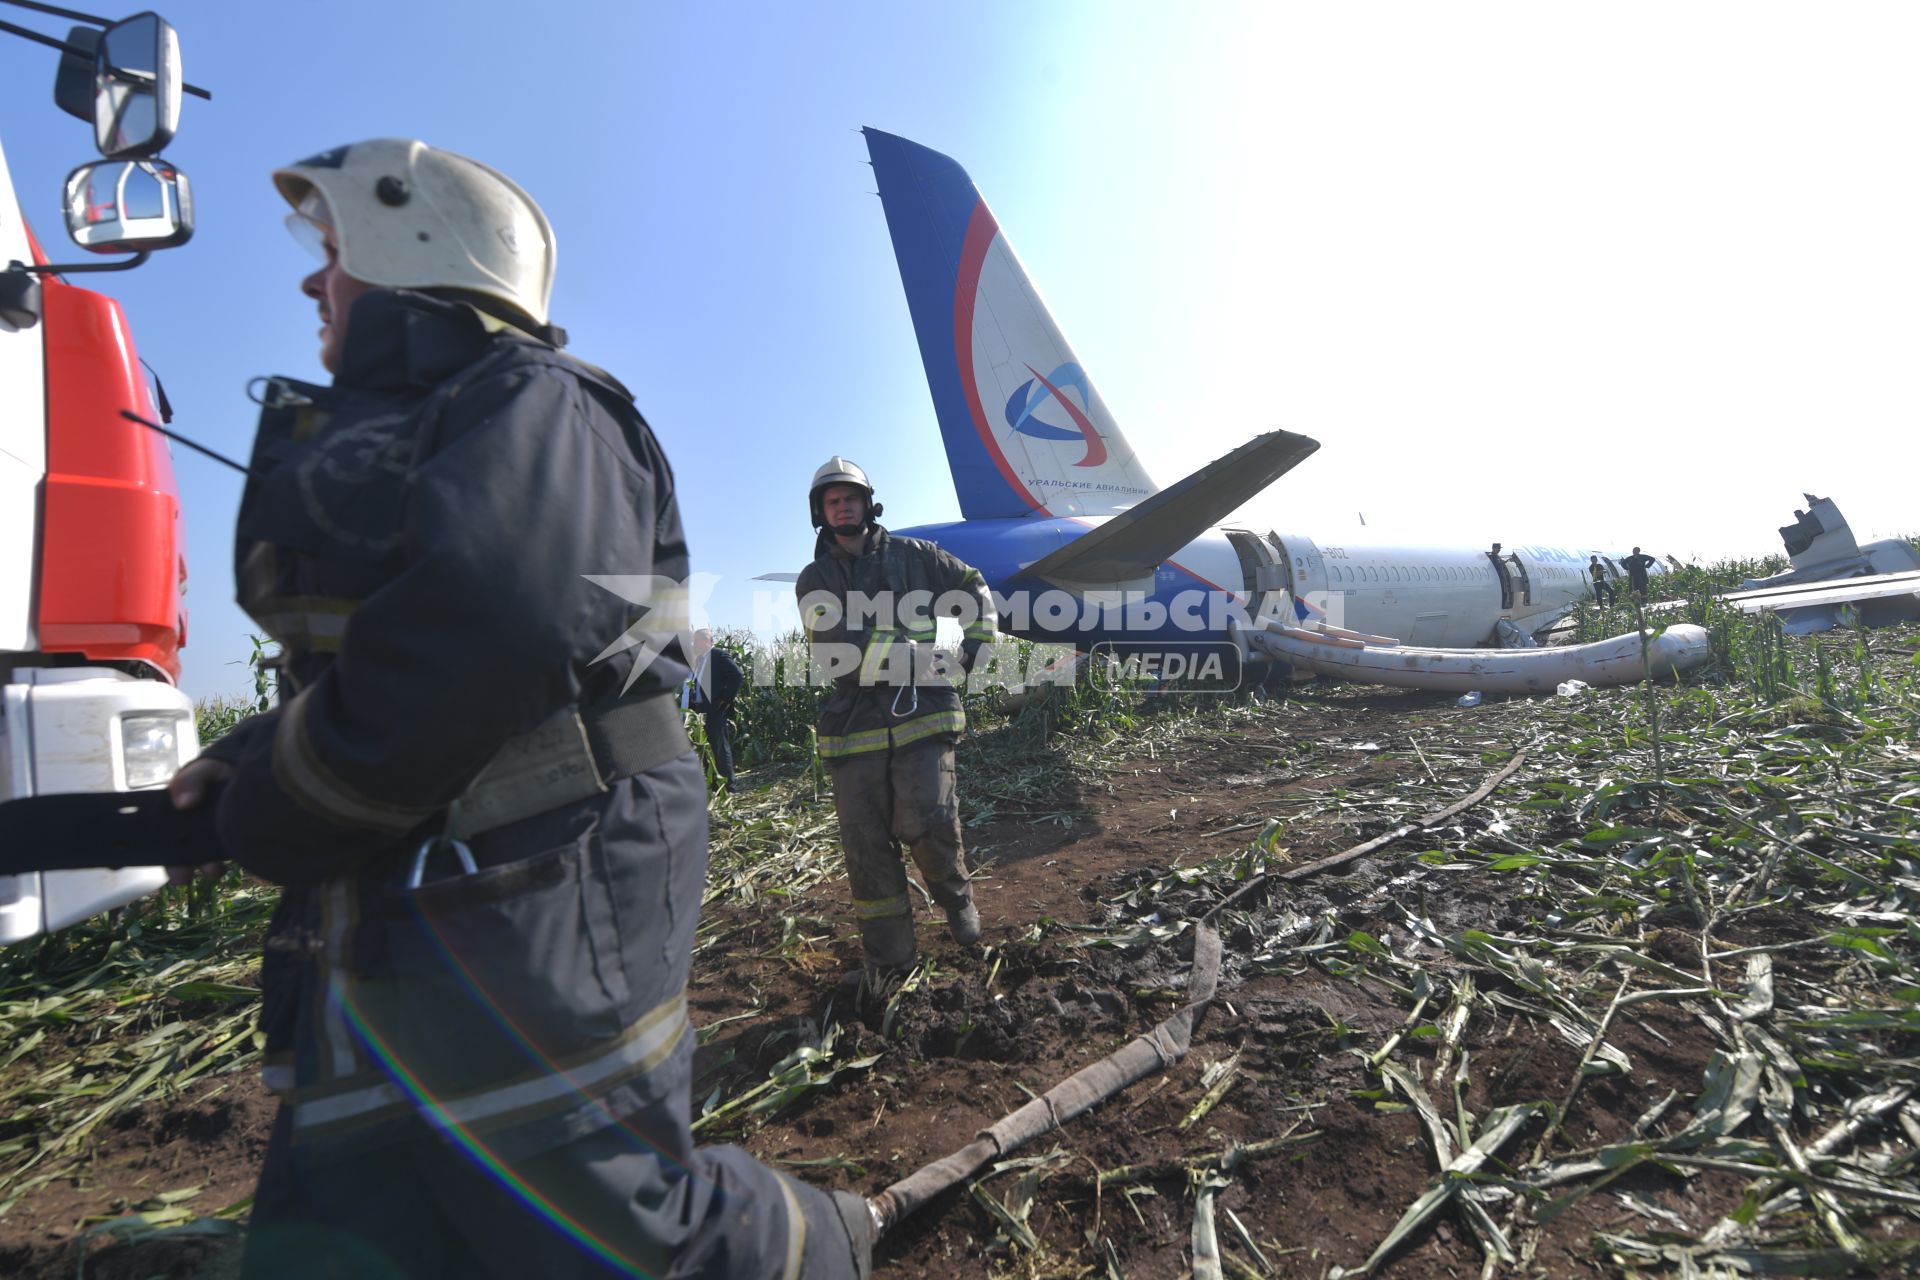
x,y
987,623
927,726
873,663
276,1077
852,744
796,1231
339,908
314,787
316,624
882,908
641,1048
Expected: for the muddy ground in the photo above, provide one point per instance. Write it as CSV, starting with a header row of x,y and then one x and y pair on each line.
x,y
959,1052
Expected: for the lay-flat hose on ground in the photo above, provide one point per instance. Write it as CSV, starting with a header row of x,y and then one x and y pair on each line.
x,y
1159,1048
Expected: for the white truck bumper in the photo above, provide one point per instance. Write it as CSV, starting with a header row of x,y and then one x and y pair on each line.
x,y
68,729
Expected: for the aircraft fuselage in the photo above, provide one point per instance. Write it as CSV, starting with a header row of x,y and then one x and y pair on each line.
x,y
1430,596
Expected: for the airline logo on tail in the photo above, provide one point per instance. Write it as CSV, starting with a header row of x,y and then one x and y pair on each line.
x,y
1028,397
1025,429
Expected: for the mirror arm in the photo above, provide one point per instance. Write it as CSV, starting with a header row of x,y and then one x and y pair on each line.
x,y
58,12
124,264
26,33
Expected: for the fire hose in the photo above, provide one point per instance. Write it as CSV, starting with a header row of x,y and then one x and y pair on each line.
x,y
1159,1048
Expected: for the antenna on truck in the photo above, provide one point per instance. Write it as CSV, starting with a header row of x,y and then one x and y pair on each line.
x,y
131,416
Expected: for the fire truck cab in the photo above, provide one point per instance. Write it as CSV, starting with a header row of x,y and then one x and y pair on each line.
x,y
92,576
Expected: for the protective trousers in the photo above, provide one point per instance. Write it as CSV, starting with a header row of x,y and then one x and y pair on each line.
x,y
511,1157
609,1204
886,799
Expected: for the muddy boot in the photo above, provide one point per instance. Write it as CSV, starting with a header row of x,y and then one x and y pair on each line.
x,y
888,943
963,922
963,918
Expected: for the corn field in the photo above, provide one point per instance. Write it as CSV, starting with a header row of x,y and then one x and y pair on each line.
x,y
1733,858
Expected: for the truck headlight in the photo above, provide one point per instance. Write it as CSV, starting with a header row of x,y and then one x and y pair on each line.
x,y
150,747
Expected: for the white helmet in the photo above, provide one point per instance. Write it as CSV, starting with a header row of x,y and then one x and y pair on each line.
x,y
408,216
838,470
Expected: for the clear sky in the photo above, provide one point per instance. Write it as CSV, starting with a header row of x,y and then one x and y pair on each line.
x,y
1533,272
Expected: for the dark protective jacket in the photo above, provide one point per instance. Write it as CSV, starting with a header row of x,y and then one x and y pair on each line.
x,y
415,537
870,621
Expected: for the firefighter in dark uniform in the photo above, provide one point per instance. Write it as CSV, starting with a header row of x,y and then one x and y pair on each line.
x,y
888,728
492,842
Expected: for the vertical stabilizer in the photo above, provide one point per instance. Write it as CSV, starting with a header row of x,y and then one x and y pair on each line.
x,y
1026,432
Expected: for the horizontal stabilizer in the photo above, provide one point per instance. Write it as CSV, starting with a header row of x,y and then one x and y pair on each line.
x,y
1133,544
776,577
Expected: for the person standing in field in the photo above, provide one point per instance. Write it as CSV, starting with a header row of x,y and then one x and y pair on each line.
x,y
1636,566
492,839
716,684
892,718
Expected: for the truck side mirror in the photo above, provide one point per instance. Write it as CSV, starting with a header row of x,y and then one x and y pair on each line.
x,y
136,87
127,206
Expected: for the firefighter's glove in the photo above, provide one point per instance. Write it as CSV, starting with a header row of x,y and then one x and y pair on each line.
x,y
970,654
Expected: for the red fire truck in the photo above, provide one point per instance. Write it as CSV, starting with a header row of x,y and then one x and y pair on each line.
x,y
92,576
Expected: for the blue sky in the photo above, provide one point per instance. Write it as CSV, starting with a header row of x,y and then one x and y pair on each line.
x,y
1639,273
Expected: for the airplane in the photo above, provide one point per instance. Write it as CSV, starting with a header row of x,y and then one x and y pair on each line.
x,y
1063,521
1834,579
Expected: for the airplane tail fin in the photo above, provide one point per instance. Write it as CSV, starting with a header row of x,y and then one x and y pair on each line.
x,y
1026,433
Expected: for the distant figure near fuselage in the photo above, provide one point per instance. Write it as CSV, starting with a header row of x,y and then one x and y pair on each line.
x,y
1636,566
1604,591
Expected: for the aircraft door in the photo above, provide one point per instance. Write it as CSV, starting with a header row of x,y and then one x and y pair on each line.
x,y
1306,574
1522,581
1505,575
1262,571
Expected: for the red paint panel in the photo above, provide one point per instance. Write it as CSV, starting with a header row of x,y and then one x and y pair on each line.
x,y
111,569
981,230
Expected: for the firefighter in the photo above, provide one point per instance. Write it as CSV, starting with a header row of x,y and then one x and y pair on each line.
x,y
888,727
493,844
